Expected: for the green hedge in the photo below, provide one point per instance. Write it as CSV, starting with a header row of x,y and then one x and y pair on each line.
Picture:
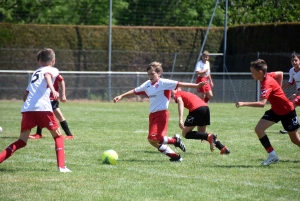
x,y
77,43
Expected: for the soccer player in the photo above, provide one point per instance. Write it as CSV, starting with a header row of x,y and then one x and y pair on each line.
x,y
294,78
37,110
282,108
158,90
203,73
199,115
59,81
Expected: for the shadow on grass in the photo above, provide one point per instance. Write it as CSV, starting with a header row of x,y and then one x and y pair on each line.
x,y
289,161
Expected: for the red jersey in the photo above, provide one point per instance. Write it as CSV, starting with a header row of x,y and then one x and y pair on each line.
x,y
58,79
191,101
272,91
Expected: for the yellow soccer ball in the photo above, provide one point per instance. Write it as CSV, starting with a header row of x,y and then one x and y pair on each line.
x,y
109,157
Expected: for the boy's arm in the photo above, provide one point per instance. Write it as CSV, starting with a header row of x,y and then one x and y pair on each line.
x,y
48,78
62,86
260,103
279,77
191,85
211,82
180,112
128,93
25,95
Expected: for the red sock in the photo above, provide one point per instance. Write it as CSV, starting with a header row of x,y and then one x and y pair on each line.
x,y
168,140
269,149
206,99
60,151
8,152
165,149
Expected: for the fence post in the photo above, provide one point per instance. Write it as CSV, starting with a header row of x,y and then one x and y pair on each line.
x,y
174,61
137,83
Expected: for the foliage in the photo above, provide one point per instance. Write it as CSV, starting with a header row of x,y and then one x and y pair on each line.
x,y
149,12
142,173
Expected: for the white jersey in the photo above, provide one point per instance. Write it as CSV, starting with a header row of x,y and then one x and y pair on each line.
x,y
38,96
294,77
200,66
159,93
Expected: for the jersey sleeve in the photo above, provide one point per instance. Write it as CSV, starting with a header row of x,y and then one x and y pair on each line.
x,y
198,66
59,78
141,90
291,80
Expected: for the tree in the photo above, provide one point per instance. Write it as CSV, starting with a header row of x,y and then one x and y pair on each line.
x,y
149,12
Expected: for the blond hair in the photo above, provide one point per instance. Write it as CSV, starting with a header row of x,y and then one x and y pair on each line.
x,y
156,66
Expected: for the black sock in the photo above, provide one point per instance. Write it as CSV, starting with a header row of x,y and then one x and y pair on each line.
x,y
196,135
265,142
65,127
38,130
219,145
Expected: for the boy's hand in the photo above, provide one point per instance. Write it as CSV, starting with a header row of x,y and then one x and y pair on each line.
x,y
55,95
238,104
117,98
63,98
181,124
201,84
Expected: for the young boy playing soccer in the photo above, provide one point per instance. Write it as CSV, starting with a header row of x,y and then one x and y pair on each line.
x,y
282,108
159,92
37,109
59,81
199,115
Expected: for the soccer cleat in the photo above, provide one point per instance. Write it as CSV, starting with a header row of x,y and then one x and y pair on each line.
x,y
64,169
177,159
225,150
211,140
271,159
283,131
179,142
69,137
35,136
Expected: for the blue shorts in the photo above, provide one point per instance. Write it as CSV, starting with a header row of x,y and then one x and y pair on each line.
x,y
289,121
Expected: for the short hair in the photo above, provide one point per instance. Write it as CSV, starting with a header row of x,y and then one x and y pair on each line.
x,y
45,55
259,64
205,53
295,55
156,66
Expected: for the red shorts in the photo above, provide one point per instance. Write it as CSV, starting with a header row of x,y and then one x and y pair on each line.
x,y
158,125
206,87
39,118
296,101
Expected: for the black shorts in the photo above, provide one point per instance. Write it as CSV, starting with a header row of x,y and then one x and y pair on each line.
x,y
289,121
198,117
55,104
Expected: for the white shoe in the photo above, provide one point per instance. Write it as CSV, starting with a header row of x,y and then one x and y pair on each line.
x,y
64,169
271,159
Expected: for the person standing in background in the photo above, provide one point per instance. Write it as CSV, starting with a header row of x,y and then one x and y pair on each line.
x,y
203,72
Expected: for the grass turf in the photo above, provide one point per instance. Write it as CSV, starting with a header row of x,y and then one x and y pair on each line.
x,y
142,173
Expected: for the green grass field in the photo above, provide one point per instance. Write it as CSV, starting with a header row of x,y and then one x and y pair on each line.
x,y
142,173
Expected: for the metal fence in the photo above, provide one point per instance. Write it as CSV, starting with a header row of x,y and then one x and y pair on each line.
x,y
104,86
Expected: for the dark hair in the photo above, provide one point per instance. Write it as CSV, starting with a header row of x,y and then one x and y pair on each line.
x,y
45,55
259,64
295,55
